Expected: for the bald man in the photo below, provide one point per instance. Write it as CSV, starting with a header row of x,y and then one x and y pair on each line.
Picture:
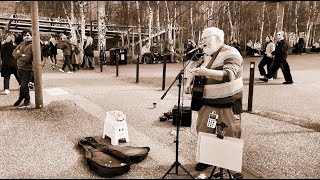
x,y
222,92
280,59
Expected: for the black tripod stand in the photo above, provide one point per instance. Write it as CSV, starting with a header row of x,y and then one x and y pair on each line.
x,y
176,164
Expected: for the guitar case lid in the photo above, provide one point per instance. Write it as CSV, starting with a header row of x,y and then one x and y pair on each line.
x,y
106,164
136,154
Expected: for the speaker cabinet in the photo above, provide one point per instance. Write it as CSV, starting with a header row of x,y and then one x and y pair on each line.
x,y
185,118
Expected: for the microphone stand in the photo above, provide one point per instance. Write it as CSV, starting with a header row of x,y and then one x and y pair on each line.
x,y
176,164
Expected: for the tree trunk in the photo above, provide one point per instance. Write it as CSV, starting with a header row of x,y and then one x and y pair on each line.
x,y
262,21
150,17
230,21
277,21
81,5
101,27
73,31
296,21
139,26
128,29
158,21
269,22
312,18
174,25
191,23
316,12
287,28
168,22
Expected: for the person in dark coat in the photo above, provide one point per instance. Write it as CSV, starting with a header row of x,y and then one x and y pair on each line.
x,y
155,50
65,46
24,56
88,54
53,51
9,63
191,45
18,39
45,51
301,45
280,59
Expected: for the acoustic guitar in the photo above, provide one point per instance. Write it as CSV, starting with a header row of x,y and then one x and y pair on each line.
x,y
197,89
197,100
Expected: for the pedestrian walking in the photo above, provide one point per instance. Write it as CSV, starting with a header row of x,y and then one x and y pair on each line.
x,y
9,63
53,51
267,57
24,56
65,46
45,52
280,59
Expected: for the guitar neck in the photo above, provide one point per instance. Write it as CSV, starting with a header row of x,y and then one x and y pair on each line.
x,y
201,62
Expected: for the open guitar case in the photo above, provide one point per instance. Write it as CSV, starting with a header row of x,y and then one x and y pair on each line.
x,y
108,160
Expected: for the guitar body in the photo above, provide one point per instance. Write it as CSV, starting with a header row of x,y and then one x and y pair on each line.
x,y
197,90
197,93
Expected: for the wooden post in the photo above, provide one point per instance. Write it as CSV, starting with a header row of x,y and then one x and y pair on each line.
x,y
36,55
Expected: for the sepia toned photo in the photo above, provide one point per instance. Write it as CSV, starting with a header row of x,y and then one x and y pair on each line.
x,y
160,89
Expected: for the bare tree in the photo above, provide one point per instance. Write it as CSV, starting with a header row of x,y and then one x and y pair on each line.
x,y
277,20
296,20
174,22
191,22
232,28
82,16
316,20
150,17
139,27
262,21
101,27
311,19
158,19
169,23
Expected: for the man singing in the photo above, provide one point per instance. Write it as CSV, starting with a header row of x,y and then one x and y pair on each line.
x,y
222,93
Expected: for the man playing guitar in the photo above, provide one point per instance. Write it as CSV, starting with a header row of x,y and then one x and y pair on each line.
x,y
222,69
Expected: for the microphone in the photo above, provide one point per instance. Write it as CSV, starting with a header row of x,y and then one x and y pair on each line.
x,y
193,50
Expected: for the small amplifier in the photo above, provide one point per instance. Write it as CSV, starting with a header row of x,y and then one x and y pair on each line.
x,y
185,118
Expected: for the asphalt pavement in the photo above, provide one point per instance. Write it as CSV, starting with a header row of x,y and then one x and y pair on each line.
x,y
281,133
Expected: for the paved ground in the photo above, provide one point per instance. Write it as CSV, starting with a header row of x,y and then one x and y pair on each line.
x,y
281,135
